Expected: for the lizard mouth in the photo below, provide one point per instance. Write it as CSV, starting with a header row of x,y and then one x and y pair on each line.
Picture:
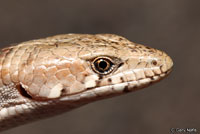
x,y
114,89
104,91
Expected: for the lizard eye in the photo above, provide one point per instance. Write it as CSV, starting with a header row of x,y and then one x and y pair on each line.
x,y
102,65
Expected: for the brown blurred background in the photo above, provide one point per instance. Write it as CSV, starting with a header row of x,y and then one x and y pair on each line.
x,y
170,25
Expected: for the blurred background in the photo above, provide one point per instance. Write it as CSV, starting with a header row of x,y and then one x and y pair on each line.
x,y
169,25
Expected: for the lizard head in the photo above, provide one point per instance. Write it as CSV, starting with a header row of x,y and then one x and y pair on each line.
x,y
86,66
116,65
63,72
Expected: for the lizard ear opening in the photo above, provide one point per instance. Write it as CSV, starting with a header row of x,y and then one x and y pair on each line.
x,y
23,92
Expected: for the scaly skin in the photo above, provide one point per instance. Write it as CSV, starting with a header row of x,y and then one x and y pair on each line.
x,y
45,77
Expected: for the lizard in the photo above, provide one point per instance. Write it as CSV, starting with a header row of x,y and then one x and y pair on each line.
x,y
45,77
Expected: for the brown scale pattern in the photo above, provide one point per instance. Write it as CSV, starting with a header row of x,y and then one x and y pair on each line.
x,y
55,74
42,64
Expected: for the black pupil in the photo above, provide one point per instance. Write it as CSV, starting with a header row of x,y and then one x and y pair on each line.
x,y
103,64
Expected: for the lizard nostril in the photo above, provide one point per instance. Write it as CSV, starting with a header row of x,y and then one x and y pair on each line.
x,y
154,62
